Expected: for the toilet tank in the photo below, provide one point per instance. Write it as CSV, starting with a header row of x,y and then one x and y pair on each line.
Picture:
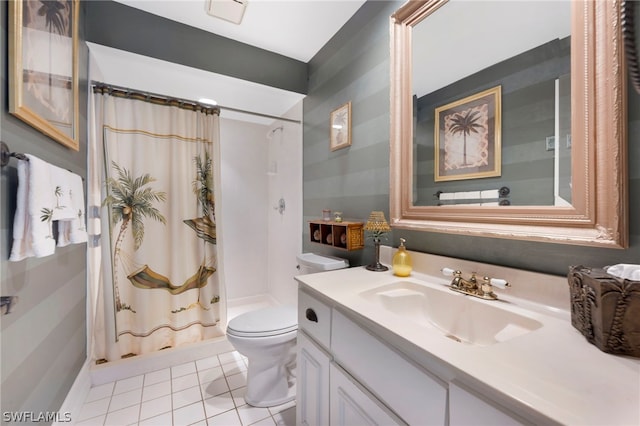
x,y
309,263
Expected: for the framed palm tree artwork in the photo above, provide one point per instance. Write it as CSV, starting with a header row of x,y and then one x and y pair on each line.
x,y
468,137
340,130
43,67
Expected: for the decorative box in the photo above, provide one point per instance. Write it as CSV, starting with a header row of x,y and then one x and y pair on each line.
x,y
606,310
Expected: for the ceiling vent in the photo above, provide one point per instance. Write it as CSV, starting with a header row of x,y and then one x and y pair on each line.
x,y
229,10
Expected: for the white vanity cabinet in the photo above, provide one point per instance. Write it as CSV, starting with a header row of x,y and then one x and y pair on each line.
x,y
380,344
313,341
415,395
467,408
358,379
352,404
312,391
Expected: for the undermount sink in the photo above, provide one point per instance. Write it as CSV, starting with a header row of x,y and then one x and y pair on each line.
x,y
457,316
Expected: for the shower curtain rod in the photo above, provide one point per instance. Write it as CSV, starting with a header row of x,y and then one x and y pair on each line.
x,y
222,107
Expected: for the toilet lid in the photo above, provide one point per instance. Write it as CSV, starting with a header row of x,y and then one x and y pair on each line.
x,y
265,322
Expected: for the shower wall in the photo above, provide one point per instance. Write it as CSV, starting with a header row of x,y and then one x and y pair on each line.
x,y
244,186
284,242
259,167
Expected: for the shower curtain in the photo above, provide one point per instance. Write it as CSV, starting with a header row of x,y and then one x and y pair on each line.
x,y
154,265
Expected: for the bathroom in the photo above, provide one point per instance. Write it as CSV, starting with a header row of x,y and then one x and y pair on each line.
x,y
353,66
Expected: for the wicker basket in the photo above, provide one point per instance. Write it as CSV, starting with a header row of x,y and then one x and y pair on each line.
x,y
606,310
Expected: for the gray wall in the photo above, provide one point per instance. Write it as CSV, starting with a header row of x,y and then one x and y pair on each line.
x,y
122,27
43,339
355,66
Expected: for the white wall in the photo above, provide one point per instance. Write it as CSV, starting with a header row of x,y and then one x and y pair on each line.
x,y
244,187
284,242
260,244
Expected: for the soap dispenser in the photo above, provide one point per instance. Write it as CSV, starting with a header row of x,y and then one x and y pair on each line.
x,y
402,264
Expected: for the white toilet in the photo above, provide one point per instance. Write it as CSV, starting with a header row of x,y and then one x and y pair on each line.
x,y
267,337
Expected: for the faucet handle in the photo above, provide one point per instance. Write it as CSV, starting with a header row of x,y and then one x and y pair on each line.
x,y
448,272
500,283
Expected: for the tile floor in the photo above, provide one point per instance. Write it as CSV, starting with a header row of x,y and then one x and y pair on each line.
x,y
208,391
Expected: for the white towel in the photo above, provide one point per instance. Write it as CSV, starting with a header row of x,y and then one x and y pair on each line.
x,y
46,193
32,230
74,231
60,185
490,194
625,271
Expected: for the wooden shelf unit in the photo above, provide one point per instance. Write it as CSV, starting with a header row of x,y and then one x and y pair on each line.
x,y
343,235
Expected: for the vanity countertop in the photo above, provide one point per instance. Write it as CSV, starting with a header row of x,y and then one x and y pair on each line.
x,y
550,374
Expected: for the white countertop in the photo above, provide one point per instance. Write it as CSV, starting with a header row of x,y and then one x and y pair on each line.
x,y
550,373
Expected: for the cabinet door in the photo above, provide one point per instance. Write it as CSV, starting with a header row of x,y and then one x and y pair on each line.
x,y
466,408
353,405
418,397
312,399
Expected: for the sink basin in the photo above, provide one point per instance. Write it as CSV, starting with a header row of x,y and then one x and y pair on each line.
x,y
460,317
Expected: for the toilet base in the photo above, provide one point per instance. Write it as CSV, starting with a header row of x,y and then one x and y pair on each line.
x,y
268,384
291,395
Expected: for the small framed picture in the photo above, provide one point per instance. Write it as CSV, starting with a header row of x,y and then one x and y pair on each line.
x,y
467,137
340,131
550,143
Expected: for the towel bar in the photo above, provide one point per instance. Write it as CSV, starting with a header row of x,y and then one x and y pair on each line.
x,y
5,154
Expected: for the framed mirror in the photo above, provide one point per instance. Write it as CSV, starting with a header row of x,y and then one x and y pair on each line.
x,y
519,136
631,35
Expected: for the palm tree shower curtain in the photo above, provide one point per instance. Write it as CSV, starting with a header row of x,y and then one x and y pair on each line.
x,y
154,275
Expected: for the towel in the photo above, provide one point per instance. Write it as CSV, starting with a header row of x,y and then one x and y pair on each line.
x,y
73,230
625,271
60,186
32,229
46,193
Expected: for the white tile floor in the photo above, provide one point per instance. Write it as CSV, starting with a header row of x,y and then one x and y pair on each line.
x,y
208,391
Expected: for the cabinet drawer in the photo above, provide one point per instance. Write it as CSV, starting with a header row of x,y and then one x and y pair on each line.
x,y
351,404
466,408
314,317
416,396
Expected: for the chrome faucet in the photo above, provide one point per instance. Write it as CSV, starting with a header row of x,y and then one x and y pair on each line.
x,y
472,286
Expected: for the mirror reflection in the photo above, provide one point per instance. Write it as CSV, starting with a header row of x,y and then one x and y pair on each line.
x,y
492,104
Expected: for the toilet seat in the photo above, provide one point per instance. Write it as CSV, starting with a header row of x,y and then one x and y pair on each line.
x,y
265,322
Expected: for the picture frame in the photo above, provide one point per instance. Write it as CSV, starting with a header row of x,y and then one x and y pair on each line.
x,y
43,67
340,127
467,137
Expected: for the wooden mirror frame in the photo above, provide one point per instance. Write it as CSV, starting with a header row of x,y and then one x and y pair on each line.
x,y
598,215
630,37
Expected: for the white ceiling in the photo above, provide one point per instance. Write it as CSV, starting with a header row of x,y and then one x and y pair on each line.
x,y
294,28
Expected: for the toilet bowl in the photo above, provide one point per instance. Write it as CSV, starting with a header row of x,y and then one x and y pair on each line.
x,y
267,337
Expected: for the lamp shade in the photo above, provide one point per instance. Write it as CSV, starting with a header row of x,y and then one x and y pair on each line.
x,y
377,223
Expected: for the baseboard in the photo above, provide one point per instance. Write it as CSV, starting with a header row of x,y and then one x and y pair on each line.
x,y
77,394
142,364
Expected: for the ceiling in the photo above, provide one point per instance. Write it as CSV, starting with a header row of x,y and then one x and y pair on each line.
x,y
294,28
